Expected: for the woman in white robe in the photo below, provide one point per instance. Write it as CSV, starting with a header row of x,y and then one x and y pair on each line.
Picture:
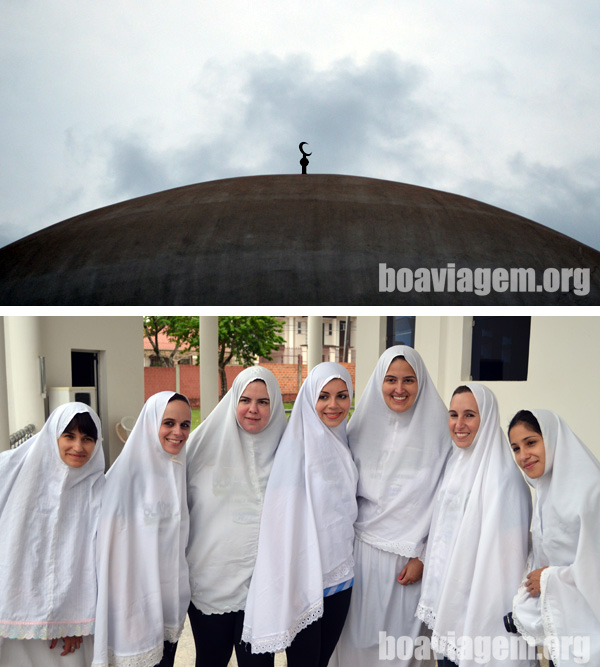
x,y
302,582
230,456
558,603
399,438
478,542
143,583
50,495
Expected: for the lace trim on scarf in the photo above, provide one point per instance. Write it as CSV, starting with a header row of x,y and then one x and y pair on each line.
x,y
148,659
547,620
426,615
335,576
45,629
172,634
439,643
281,641
400,548
530,639
209,611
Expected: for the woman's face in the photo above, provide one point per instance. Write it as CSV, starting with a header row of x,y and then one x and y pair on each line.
x,y
400,386
175,426
529,449
333,403
463,419
75,448
254,407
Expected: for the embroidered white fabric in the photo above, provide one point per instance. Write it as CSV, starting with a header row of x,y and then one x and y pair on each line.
x,y
400,458
306,531
48,516
227,471
143,580
478,543
566,540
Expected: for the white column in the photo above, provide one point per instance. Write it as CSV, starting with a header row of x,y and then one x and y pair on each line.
x,y
314,340
370,344
209,366
4,427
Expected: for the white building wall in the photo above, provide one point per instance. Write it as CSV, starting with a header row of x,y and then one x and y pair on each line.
x,y
564,366
119,342
23,347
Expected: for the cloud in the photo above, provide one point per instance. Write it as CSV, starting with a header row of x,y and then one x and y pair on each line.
x,y
353,115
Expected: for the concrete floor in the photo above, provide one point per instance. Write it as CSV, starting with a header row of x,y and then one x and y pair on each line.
x,y
186,652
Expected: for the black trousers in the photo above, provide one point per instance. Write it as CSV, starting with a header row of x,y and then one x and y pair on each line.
x,y
168,659
215,637
315,644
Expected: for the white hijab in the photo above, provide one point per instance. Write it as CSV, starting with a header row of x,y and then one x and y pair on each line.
x,y
566,538
306,534
400,458
48,516
227,470
143,584
478,541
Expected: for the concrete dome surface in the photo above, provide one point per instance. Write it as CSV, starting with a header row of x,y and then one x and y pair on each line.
x,y
291,240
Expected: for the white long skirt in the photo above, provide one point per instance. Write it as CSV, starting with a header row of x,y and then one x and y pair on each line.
x,y
37,653
381,605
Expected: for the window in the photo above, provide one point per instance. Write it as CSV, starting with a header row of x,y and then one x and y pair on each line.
x,y
500,348
300,327
400,331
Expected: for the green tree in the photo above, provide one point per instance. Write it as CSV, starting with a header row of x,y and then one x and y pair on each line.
x,y
183,331
245,338
240,338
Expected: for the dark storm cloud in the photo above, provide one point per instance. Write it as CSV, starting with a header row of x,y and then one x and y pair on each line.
x,y
352,115
565,198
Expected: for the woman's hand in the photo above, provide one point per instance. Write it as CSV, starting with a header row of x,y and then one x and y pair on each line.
x,y
71,644
411,573
532,583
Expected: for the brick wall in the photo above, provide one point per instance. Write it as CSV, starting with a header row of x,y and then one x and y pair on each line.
x,y
160,378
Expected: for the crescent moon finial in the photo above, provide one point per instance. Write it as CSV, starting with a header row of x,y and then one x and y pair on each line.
x,y
304,158
302,150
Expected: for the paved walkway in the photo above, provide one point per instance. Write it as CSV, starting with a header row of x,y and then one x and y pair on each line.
x,y
186,652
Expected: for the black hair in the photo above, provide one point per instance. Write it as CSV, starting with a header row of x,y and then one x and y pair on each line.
x,y
462,389
179,397
83,423
528,418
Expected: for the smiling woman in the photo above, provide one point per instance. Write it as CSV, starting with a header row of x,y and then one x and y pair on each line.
x,y
478,540
143,585
50,499
229,462
175,426
558,603
302,583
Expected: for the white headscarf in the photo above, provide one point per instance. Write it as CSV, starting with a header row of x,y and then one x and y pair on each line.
x,y
143,584
48,516
227,471
400,457
566,538
306,533
478,541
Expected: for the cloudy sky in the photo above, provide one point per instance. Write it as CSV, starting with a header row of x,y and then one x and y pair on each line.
x,y
105,100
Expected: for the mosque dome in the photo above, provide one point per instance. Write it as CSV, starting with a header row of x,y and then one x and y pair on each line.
x,y
282,240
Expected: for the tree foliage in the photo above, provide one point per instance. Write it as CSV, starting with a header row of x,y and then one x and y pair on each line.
x,y
183,331
240,338
245,338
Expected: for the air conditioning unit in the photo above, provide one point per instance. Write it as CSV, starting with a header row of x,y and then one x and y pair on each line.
x,y
61,395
